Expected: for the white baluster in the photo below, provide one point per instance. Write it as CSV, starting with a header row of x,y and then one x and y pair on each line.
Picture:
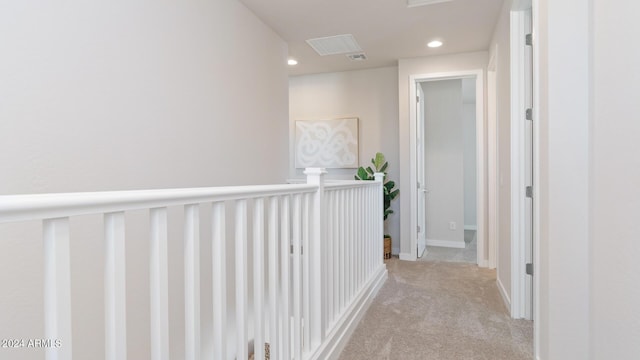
x,y
316,256
241,280
115,315
192,281
342,218
367,231
159,285
350,250
285,295
297,272
273,278
258,278
330,240
336,254
379,177
57,288
372,235
219,265
359,237
306,276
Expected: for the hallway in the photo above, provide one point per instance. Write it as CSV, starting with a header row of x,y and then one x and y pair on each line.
x,y
439,310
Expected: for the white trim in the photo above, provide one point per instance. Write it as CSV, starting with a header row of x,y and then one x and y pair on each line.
x,y
447,243
518,104
503,293
407,256
471,227
493,149
480,160
536,182
341,332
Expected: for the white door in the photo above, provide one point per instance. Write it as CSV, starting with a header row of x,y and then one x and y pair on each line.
x,y
528,172
420,165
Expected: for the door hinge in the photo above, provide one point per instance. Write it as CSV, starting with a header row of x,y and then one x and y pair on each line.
x,y
419,229
529,269
418,184
528,114
529,191
417,99
528,39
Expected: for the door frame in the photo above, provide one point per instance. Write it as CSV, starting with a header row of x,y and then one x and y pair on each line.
x,y
519,301
420,173
493,151
414,81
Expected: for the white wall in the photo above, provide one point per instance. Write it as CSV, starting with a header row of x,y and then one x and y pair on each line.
x,y
469,151
370,95
128,95
444,160
500,49
406,68
615,177
564,258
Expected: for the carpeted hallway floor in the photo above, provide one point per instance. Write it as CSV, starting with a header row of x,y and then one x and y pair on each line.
x,y
439,310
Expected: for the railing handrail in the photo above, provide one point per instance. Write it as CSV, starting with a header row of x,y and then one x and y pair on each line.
x,y
55,205
347,184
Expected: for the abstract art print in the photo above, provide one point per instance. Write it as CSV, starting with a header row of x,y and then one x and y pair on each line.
x,y
327,143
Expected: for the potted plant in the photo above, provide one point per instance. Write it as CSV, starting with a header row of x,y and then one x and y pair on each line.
x,y
380,165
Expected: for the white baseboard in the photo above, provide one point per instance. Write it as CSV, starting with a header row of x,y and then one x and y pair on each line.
x,y
471,227
338,338
503,293
406,257
446,243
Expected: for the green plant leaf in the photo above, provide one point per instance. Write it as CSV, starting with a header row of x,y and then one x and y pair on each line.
x,y
384,168
370,170
362,174
394,194
379,161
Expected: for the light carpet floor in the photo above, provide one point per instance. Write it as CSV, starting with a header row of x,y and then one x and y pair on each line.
x,y
439,311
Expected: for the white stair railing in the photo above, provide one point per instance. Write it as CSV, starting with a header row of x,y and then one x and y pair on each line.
x,y
316,261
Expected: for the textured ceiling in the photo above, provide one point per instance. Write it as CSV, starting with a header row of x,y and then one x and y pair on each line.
x,y
387,30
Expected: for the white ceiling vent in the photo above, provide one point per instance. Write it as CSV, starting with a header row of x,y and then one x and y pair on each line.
x,y
333,45
414,3
357,57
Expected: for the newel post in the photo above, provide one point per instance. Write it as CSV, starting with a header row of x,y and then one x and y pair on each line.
x,y
315,176
379,178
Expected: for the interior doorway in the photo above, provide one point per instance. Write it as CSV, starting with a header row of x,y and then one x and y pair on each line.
x,y
439,215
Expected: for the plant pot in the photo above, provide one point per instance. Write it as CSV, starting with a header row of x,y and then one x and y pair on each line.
x,y
387,247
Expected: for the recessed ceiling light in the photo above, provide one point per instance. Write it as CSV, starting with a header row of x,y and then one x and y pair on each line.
x,y
292,62
435,44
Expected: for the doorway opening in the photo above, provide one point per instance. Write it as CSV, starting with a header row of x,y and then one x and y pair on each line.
x,y
448,167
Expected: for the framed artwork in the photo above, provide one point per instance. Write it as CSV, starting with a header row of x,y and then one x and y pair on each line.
x,y
327,143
